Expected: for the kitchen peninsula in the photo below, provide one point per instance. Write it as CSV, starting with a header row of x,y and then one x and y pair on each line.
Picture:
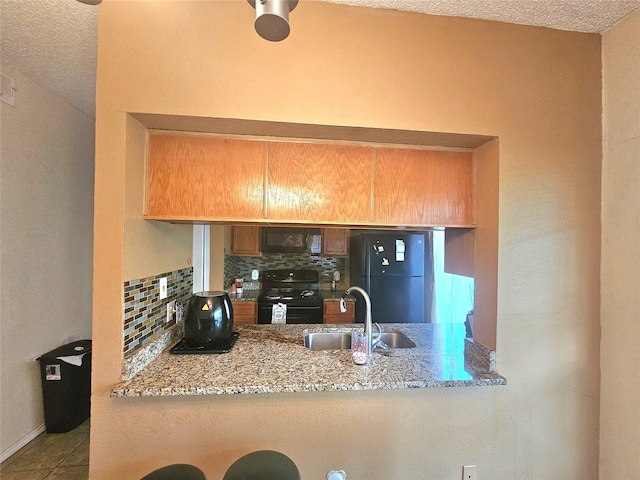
x,y
391,78
273,359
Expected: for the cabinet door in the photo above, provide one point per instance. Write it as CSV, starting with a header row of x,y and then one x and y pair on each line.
x,y
176,176
335,242
192,177
318,183
332,313
246,241
245,313
423,187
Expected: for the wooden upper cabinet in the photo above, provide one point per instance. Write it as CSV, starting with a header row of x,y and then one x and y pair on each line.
x,y
423,187
459,251
335,242
176,176
246,241
195,177
318,183
210,178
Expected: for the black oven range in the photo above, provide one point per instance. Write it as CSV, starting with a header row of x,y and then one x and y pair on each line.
x,y
297,289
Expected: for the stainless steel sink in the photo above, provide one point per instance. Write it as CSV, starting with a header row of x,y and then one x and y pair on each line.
x,y
328,340
342,340
396,340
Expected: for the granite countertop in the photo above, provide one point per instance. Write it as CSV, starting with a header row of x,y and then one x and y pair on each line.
x,y
272,359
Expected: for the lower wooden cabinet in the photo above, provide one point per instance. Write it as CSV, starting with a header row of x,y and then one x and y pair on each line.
x,y
245,313
332,313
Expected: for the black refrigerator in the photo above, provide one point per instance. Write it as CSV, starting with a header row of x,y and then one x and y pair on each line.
x,y
391,268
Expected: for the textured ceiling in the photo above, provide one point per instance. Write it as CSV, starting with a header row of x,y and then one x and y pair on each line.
x,y
54,41
592,16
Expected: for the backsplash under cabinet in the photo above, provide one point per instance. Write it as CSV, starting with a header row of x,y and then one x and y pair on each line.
x,y
241,267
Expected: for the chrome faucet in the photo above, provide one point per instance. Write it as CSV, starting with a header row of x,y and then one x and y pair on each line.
x,y
367,319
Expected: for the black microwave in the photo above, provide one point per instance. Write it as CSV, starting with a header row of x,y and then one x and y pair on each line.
x,y
287,239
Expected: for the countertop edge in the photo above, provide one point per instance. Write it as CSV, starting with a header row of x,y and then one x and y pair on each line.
x,y
495,380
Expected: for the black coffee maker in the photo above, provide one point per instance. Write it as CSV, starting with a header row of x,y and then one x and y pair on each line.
x,y
209,321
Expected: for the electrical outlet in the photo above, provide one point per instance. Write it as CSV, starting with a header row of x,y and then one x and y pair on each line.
x,y
163,288
171,308
469,472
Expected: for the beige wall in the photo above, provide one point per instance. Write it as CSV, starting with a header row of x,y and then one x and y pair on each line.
x,y
620,356
46,236
171,245
537,89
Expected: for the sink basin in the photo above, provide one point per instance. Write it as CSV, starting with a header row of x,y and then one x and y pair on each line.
x,y
328,340
396,340
342,340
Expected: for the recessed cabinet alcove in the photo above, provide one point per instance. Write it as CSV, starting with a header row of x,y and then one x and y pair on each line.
x,y
260,173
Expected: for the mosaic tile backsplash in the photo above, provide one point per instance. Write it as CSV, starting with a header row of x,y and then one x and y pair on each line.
x,y
144,313
240,267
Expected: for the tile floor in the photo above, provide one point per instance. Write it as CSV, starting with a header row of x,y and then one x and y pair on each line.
x,y
53,456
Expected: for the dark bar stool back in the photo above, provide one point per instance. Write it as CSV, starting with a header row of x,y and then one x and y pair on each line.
x,y
263,465
177,471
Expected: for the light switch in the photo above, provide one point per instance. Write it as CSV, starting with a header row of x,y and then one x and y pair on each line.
x,y
163,288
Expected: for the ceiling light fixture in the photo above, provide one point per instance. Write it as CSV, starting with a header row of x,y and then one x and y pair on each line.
x,y
91,2
272,18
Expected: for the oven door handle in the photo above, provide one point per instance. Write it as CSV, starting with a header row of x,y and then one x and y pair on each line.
x,y
294,307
